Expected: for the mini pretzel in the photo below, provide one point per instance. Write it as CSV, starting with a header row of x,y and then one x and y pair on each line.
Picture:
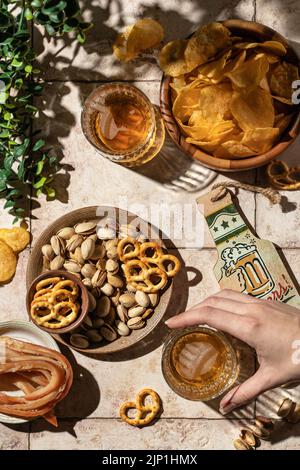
x,y
130,255
152,246
68,285
283,177
42,293
60,295
41,312
65,313
48,283
135,270
145,413
171,259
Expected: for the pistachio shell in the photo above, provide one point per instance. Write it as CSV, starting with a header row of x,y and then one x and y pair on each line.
x,y
79,341
108,332
105,233
239,444
57,263
74,242
86,228
98,322
286,407
58,245
103,307
294,416
107,289
94,336
116,297
114,281
98,278
88,270
99,252
135,323
260,432
111,317
147,313
136,311
48,252
112,253
128,300
77,255
72,267
130,288
153,299
87,248
87,322
122,328
66,233
248,437
46,264
142,299
87,282
109,244
112,266
92,302
122,312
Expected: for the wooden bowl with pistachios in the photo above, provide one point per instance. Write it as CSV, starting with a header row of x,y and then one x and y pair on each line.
x,y
84,243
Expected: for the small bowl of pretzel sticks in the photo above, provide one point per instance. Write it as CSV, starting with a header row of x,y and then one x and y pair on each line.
x,y
57,302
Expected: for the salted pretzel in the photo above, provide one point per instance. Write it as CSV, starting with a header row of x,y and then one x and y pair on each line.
x,y
54,303
154,248
145,414
283,177
140,276
126,243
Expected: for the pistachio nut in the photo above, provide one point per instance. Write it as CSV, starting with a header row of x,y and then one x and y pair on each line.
x,y
107,289
109,244
115,299
48,252
135,323
142,299
108,332
88,270
93,237
87,248
86,228
66,233
72,267
46,264
114,281
92,302
87,322
99,252
248,437
294,416
98,278
153,299
136,311
98,322
111,317
287,406
58,245
122,312
74,242
260,431
112,253
94,336
57,263
87,282
128,300
77,255
103,307
240,444
79,341
147,313
130,288
122,328
112,266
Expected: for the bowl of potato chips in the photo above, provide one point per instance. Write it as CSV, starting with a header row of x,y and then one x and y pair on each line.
x,y
228,94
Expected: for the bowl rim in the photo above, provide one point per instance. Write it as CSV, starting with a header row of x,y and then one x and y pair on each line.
x,y
84,300
223,164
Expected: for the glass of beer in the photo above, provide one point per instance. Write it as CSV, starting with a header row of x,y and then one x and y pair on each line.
x,y
199,363
122,124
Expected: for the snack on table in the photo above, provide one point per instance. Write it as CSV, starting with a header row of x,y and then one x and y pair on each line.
x,y
12,241
8,262
116,306
145,413
43,375
142,35
55,303
282,177
17,238
231,97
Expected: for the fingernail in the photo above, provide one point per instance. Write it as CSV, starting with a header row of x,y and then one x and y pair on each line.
x,y
224,410
167,322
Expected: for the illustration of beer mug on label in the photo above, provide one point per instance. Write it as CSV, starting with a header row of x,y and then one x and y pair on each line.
x,y
246,260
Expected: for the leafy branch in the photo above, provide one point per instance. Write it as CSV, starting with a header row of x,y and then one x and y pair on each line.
x,y
25,163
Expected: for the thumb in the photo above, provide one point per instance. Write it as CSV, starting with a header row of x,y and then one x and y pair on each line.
x,y
245,392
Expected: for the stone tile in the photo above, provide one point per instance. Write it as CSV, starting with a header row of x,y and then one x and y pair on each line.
x,y
65,59
13,295
109,434
103,182
14,437
119,377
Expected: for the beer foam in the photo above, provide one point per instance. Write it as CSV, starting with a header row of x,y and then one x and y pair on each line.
x,y
233,254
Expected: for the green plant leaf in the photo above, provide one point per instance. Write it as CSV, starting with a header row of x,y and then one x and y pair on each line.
x,y
39,144
39,167
40,182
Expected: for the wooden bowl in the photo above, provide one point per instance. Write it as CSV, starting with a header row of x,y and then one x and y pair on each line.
x,y
84,300
35,266
252,31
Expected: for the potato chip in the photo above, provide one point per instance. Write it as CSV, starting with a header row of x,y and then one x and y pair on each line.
x,y
252,108
260,140
8,262
214,69
281,78
282,121
205,43
142,35
233,149
250,73
274,47
178,83
171,58
187,100
17,238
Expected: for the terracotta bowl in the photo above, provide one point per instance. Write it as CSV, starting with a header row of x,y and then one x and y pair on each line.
x,y
34,268
83,298
258,33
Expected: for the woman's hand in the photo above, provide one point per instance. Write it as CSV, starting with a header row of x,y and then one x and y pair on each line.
x,y
271,328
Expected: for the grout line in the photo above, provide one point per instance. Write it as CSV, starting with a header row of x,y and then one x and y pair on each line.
x,y
254,10
162,418
137,80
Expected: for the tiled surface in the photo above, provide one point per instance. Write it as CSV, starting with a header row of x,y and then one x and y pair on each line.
x,y
87,179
